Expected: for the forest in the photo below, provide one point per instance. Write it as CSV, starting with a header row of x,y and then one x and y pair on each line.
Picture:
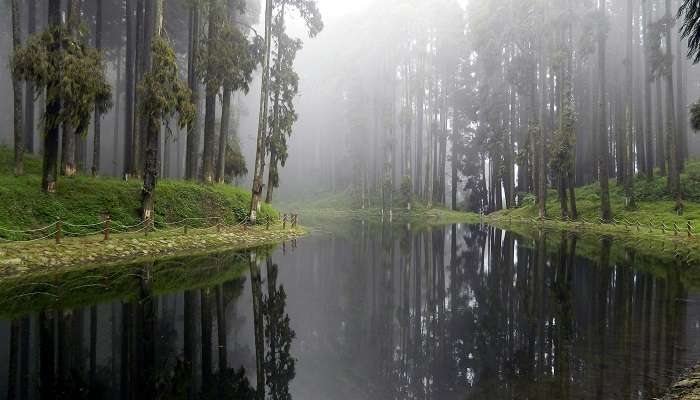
x,y
475,106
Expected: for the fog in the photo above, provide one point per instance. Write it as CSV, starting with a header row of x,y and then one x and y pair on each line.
x,y
438,95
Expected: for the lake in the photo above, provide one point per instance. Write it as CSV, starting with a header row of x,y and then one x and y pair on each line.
x,y
359,311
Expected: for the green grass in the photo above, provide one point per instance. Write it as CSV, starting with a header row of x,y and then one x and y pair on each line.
x,y
84,199
653,201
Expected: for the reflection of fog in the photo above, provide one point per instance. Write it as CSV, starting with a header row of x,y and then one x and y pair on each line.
x,y
473,312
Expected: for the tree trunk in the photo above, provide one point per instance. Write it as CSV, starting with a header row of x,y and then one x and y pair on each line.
x,y
153,22
648,124
117,111
628,177
604,153
192,146
129,95
681,118
260,150
98,117
17,93
138,127
70,136
210,103
674,178
29,88
660,137
53,107
223,136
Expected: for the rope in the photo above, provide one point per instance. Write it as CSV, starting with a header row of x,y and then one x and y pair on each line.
x,y
83,226
50,235
28,230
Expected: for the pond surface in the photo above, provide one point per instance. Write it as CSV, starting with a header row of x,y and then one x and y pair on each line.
x,y
374,312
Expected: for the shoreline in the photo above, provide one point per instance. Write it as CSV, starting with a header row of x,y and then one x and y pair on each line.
x,y
75,253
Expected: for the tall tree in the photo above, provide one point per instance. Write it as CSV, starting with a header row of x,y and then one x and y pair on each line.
x,y
17,93
192,146
284,83
29,88
211,90
130,91
674,178
98,117
603,151
163,96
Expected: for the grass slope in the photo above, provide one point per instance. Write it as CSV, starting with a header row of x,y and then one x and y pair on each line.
x,y
84,199
652,197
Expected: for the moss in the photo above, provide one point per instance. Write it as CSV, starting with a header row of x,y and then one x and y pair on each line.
x,y
84,199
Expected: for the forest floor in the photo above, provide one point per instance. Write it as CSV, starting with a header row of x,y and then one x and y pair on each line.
x,y
47,256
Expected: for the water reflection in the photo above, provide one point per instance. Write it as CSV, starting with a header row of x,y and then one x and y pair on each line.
x,y
373,312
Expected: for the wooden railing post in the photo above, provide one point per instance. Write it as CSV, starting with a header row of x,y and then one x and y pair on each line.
x,y
690,229
218,225
284,221
59,227
185,227
107,222
146,226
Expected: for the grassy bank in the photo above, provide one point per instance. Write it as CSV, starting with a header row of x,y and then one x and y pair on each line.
x,y
47,257
82,200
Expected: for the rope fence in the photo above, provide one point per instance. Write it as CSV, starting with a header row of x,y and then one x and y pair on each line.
x,y
61,229
688,229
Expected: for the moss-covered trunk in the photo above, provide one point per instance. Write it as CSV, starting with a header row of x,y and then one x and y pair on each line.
x,y
223,136
17,94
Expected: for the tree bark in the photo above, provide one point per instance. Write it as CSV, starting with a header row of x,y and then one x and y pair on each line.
x,y
674,178
260,151
153,22
210,102
53,107
648,124
223,136
604,153
129,96
192,146
98,117
17,93
29,88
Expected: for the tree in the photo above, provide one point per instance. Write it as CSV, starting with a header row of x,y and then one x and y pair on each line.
x,y
312,19
74,77
17,93
98,116
603,152
29,88
284,83
226,61
163,96
192,147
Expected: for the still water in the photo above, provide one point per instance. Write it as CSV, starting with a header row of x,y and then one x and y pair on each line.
x,y
368,312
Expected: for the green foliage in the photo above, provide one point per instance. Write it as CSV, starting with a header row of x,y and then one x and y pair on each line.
x,y
695,116
309,12
406,189
228,59
690,12
83,199
284,86
162,92
76,71
563,143
235,162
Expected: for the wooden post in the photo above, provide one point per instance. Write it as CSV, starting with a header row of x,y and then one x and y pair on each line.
x,y
59,226
690,229
107,222
284,221
146,226
185,227
218,225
